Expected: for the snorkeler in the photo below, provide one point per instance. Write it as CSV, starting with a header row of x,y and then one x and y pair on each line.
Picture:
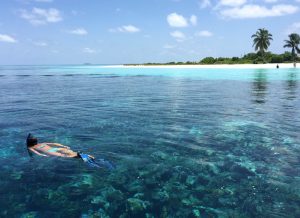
x,y
54,149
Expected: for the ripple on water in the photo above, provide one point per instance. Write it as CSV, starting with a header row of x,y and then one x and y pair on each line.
x,y
186,143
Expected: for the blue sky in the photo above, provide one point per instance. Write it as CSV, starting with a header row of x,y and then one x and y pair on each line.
x,y
138,31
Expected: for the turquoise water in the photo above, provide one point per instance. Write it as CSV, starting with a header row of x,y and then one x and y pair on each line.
x,y
186,142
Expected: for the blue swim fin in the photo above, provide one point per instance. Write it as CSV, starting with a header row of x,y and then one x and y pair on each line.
x,y
101,163
105,163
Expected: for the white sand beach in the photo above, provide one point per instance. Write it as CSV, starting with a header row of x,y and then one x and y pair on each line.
x,y
215,66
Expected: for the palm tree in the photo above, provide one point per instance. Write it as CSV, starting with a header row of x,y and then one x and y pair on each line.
x,y
293,43
261,41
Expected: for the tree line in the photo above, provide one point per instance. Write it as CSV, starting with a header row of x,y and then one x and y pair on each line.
x,y
261,42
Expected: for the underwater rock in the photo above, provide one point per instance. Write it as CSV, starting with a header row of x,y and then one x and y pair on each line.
x,y
94,214
20,207
136,205
108,195
196,213
175,156
112,194
164,212
288,140
32,214
151,182
16,175
135,186
148,215
76,192
87,179
228,202
139,195
202,179
159,155
78,188
243,171
191,180
110,199
191,201
209,152
84,215
161,196
212,168
97,200
175,189
248,165
118,179
210,212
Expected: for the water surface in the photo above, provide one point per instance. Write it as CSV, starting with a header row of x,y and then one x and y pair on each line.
x,y
186,142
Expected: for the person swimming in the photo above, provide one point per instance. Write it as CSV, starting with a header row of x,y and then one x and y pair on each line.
x,y
47,149
53,149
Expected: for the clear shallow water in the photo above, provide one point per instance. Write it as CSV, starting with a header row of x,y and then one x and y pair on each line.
x,y
219,143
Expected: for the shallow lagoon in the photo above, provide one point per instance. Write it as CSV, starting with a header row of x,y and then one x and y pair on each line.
x,y
186,142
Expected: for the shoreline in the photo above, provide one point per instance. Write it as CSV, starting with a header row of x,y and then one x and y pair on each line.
x,y
216,66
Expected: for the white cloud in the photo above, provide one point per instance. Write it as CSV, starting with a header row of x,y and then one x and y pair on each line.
x,y
126,28
89,50
205,3
193,20
232,3
40,16
41,44
179,36
177,20
7,38
79,31
204,33
257,11
130,29
271,1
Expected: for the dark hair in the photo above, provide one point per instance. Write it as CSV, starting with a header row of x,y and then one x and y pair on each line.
x,y
31,140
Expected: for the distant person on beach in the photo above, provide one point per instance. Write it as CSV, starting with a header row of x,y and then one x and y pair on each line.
x,y
277,66
47,149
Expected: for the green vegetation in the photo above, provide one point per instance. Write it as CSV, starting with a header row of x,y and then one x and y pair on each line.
x,y
261,42
293,42
250,58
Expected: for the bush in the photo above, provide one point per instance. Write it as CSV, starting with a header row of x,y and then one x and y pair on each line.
x,y
250,56
235,59
287,57
208,60
277,58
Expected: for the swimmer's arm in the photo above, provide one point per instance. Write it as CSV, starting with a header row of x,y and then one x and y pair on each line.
x,y
38,153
